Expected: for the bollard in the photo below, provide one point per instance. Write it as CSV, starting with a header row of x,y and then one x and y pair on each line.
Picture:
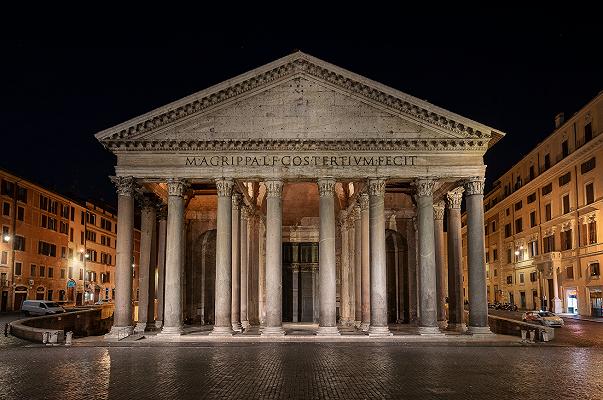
x,y
532,334
68,337
545,336
45,337
524,334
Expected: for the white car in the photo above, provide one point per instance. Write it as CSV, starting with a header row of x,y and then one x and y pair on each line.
x,y
41,307
545,318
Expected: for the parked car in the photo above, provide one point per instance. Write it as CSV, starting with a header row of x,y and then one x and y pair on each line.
x,y
545,318
102,301
41,307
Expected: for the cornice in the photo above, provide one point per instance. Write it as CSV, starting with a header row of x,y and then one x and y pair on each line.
x,y
290,66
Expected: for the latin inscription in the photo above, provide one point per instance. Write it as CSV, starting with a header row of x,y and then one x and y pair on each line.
x,y
300,161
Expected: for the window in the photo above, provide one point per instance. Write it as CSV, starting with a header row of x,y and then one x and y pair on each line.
x,y
72,214
565,179
50,272
532,198
486,229
47,249
20,213
106,240
63,252
6,209
570,272
594,269
521,278
71,234
532,219
81,274
8,188
62,273
90,218
487,256
43,203
4,258
495,254
592,232
82,237
508,212
5,234
70,252
566,204
566,240
547,212
90,236
533,277
547,189
63,227
33,270
547,161
588,165
548,243
588,132
509,279
493,226
590,193
19,243
533,248
106,224
495,272
509,256
507,230
21,194
91,255
518,205
518,225
532,174
49,295
42,270
18,266
564,149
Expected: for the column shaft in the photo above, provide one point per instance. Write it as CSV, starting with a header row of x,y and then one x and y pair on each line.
x,y
478,302
357,267
223,295
366,282
146,270
161,237
456,315
122,323
345,303
378,274
174,259
411,238
438,224
274,238
244,267
236,263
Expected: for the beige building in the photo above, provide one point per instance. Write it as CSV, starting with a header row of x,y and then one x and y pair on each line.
x,y
542,221
53,247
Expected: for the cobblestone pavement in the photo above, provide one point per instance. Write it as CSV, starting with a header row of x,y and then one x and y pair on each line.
x,y
301,371
9,341
575,332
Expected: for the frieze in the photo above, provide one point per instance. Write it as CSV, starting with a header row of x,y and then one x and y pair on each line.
x,y
299,161
295,66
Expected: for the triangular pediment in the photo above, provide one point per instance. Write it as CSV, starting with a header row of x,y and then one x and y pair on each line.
x,y
297,97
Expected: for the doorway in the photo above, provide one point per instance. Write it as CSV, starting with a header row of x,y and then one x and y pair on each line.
x,y
20,297
4,301
300,282
572,301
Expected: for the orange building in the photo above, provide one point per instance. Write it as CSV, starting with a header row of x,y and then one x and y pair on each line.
x,y
54,247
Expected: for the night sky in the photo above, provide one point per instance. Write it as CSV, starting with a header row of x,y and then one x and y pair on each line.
x,y
511,74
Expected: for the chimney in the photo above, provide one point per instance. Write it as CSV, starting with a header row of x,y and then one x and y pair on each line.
x,y
559,120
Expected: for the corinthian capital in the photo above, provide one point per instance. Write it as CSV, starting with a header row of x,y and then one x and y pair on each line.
x,y
356,214
364,201
224,187
146,200
326,187
124,185
274,187
455,197
161,211
424,187
438,210
474,185
377,187
236,200
177,186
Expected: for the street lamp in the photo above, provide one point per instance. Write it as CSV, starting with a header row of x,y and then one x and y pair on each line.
x,y
7,238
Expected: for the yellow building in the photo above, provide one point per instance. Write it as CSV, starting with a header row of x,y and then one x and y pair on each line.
x,y
53,247
543,244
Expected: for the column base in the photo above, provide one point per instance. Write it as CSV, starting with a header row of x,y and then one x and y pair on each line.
x,y
273,331
140,327
237,327
364,327
454,327
119,332
327,331
346,322
442,324
479,330
430,331
221,331
379,331
151,326
245,324
357,324
170,331
158,324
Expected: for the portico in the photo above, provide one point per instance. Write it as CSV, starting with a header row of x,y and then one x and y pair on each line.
x,y
299,154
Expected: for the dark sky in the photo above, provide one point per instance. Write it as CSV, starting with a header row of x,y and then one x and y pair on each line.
x,y
513,74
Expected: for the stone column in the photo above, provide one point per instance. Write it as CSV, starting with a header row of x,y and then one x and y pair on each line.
x,y
476,257
440,262
378,274
428,322
456,315
146,271
244,266
411,238
174,258
122,322
236,263
357,267
557,305
161,237
262,269
345,272
326,259
366,282
223,295
274,249
295,290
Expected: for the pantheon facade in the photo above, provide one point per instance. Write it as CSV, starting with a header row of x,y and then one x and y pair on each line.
x,y
300,191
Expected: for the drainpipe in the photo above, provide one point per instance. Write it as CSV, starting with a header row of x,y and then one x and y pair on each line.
x,y
14,234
